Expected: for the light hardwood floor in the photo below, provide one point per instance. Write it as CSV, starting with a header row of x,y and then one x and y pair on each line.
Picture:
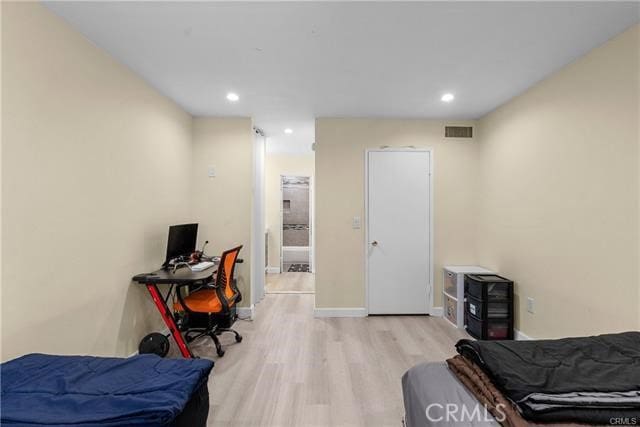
x,y
292,369
290,282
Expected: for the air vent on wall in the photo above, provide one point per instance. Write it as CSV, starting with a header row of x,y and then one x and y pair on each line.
x,y
458,132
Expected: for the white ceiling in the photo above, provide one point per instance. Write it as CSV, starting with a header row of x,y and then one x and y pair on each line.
x,y
293,61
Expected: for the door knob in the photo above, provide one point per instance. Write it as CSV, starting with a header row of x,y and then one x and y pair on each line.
x,y
374,243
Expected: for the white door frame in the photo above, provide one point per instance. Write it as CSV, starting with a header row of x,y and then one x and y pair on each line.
x,y
429,150
257,266
280,224
311,221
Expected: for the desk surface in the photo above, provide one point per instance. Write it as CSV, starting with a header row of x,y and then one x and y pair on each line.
x,y
182,275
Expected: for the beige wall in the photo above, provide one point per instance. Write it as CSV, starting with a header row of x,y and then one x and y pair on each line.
x,y
340,148
222,205
558,195
277,164
95,165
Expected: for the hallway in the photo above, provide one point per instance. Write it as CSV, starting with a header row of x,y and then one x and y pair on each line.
x,y
290,282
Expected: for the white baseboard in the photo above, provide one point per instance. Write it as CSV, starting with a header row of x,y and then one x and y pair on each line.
x,y
521,337
273,270
437,311
290,292
246,312
340,312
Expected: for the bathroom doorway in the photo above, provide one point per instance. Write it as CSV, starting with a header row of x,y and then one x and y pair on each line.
x,y
295,225
290,211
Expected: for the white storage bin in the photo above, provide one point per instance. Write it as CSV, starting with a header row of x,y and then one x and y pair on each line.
x,y
451,309
453,289
450,283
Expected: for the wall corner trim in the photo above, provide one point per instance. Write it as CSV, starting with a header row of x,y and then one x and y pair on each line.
x,y
246,312
519,336
340,312
436,312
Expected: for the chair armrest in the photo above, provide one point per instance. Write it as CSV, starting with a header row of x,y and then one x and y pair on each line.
x,y
232,299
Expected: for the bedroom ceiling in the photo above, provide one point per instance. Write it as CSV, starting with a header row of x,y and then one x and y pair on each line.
x,y
290,62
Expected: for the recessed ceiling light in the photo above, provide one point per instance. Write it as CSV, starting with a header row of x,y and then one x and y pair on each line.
x,y
288,131
447,97
233,97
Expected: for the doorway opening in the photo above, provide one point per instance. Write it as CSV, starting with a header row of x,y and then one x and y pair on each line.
x,y
296,237
295,226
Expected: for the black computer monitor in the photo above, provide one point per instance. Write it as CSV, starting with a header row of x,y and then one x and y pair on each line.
x,y
182,241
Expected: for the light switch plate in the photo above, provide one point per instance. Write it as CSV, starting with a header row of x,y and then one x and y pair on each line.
x,y
356,223
211,172
530,304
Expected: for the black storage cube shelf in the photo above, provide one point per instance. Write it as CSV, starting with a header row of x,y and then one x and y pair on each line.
x,y
488,306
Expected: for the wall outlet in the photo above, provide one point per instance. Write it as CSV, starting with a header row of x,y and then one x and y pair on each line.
x,y
530,304
211,171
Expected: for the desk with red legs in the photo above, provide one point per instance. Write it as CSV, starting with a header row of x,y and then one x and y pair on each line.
x,y
181,277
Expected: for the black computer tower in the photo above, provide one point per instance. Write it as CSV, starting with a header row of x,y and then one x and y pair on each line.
x,y
488,307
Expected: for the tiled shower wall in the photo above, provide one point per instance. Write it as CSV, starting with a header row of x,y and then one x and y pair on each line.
x,y
295,214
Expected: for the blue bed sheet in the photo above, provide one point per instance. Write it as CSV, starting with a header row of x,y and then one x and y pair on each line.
x,y
145,390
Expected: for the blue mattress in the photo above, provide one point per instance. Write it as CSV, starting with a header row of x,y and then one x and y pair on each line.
x,y
44,390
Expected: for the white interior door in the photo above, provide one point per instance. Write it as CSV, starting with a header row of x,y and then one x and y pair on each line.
x,y
399,241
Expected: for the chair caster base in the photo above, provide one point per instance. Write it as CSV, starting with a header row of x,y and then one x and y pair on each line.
x,y
219,348
238,338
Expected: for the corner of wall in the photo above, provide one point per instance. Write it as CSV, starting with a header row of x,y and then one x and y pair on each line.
x,y
223,204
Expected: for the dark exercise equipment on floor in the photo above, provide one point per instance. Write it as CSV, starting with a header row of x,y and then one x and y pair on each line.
x,y
154,343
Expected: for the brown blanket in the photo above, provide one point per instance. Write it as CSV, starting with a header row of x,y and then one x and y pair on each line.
x,y
487,394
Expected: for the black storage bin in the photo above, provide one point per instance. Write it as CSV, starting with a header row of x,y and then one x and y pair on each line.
x,y
496,309
487,285
488,306
490,329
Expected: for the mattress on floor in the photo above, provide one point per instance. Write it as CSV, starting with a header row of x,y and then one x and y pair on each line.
x,y
45,390
433,396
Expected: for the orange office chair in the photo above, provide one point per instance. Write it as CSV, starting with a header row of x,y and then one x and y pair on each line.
x,y
210,309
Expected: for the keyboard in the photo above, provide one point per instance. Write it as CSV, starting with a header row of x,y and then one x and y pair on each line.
x,y
201,266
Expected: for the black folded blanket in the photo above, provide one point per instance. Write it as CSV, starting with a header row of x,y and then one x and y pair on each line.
x,y
589,380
